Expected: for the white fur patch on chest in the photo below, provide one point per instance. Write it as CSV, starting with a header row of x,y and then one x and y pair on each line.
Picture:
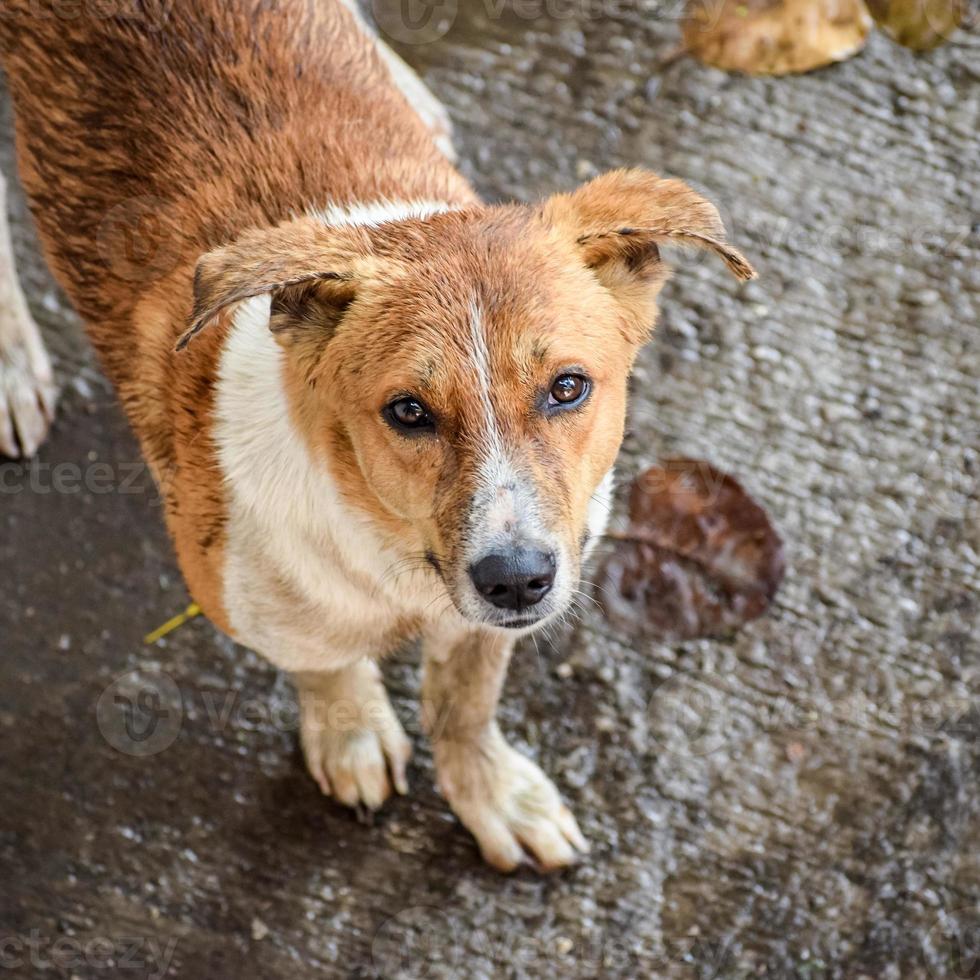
x,y
290,534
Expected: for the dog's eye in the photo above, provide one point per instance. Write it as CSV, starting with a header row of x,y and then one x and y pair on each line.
x,y
409,415
567,391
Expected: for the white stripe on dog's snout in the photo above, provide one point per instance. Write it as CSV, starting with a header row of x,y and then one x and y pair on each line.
x,y
480,358
503,504
493,505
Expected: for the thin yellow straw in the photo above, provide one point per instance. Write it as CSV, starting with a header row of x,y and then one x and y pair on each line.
x,y
171,624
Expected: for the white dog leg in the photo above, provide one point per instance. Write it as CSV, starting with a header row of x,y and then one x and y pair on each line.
x,y
354,745
429,108
27,391
421,99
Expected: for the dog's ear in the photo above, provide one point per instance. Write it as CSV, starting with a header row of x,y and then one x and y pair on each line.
x,y
619,220
312,273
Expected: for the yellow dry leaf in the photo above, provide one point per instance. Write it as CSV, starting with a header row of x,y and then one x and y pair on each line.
x,y
775,37
918,24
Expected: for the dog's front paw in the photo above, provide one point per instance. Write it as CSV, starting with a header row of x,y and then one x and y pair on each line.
x,y
27,399
508,804
356,761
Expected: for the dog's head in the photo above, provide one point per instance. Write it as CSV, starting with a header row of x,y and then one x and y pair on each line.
x,y
465,373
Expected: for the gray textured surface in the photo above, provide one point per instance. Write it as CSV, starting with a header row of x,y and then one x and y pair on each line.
x,y
801,801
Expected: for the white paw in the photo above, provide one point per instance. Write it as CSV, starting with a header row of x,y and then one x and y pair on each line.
x,y
356,764
27,400
508,804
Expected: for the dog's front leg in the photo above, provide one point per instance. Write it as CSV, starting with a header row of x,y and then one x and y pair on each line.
x,y
504,799
354,745
27,391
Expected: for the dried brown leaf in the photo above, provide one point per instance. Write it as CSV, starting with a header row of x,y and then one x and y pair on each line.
x,y
775,37
699,558
918,24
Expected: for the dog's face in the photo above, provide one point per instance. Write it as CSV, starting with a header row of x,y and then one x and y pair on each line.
x,y
482,395
465,374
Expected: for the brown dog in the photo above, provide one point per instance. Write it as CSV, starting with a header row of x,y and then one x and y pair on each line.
x,y
375,406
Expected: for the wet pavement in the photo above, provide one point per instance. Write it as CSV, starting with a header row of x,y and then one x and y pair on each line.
x,y
799,801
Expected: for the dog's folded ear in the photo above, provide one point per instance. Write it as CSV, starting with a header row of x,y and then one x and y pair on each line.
x,y
311,272
619,220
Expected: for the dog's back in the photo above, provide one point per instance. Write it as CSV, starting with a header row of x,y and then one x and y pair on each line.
x,y
147,139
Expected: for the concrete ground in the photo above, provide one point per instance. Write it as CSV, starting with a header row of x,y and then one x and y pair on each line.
x,y
801,801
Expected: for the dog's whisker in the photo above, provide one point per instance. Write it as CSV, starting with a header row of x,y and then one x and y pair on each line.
x,y
602,502
401,567
442,596
582,594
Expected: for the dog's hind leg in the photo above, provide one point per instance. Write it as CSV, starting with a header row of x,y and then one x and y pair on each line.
x,y
421,99
27,391
432,112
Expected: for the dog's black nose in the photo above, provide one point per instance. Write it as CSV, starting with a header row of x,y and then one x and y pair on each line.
x,y
514,579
